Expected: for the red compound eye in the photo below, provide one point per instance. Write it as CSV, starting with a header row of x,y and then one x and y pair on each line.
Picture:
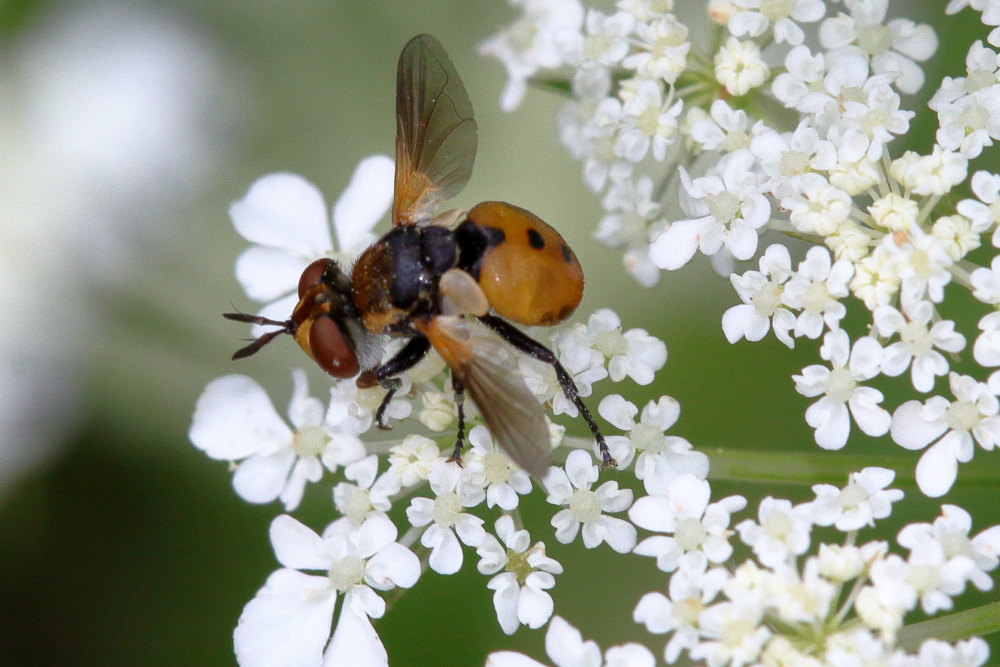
x,y
313,275
331,348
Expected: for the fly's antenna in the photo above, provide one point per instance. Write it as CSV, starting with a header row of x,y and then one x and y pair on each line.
x,y
287,327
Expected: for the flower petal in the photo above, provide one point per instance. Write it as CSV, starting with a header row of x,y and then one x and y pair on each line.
x,y
286,211
234,418
363,203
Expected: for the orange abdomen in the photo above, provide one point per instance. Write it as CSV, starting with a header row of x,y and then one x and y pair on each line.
x,y
527,270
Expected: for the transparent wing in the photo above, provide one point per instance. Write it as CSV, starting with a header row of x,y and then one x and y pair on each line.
x,y
435,131
512,413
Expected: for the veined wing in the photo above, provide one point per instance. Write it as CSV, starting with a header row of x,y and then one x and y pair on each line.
x,y
435,131
512,413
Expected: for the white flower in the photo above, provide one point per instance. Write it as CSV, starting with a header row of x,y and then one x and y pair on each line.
x,y
780,532
565,646
288,621
917,342
234,420
489,468
730,209
660,48
761,293
950,429
411,460
530,43
819,208
841,390
757,15
604,42
816,289
984,213
732,633
369,495
690,592
519,590
892,47
858,504
448,523
570,487
740,67
698,531
633,353
659,457
285,218
950,535
647,119
724,129
787,158
986,282
631,210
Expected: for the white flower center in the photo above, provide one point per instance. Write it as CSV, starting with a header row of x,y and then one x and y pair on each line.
x,y
610,343
777,525
874,39
852,94
839,385
522,35
922,577
357,506
736,631
724,207
974,117
647,437
767,300
689,610
347,573
736,140
875,119
962,416
446,509
649,121
852,496
774,10
309,441
690,534
584,505
793,163
917,338
496,467
596,45
817,297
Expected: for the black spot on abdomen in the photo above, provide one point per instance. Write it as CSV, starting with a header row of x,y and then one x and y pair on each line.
x,y
567,254
535,239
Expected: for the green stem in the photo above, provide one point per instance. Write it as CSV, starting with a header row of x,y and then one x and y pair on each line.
x,y
812,467
975,622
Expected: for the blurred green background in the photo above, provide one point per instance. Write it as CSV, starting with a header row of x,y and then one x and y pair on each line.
x,y
124,545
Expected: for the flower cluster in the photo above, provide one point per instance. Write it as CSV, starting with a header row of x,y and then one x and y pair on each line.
x,y
788,123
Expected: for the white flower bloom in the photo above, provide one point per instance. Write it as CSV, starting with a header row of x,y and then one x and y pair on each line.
x,y
803,73
876,278
948,429
986,283
631,210
570,487
448,523
986,350
285,218
934,174
411,460
288,621
922,263
519,590
787,158
818,207
761,293
730,209
234,420
816,289
660,48
864,499
633,353
780,533
690,592
565,646
369,495
892,47
950,535
841,390
489,468
733,633
603,43
757,15
984,213
969,653
647,119
918,340
659,457
529,44
698,531
724,129
740,66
